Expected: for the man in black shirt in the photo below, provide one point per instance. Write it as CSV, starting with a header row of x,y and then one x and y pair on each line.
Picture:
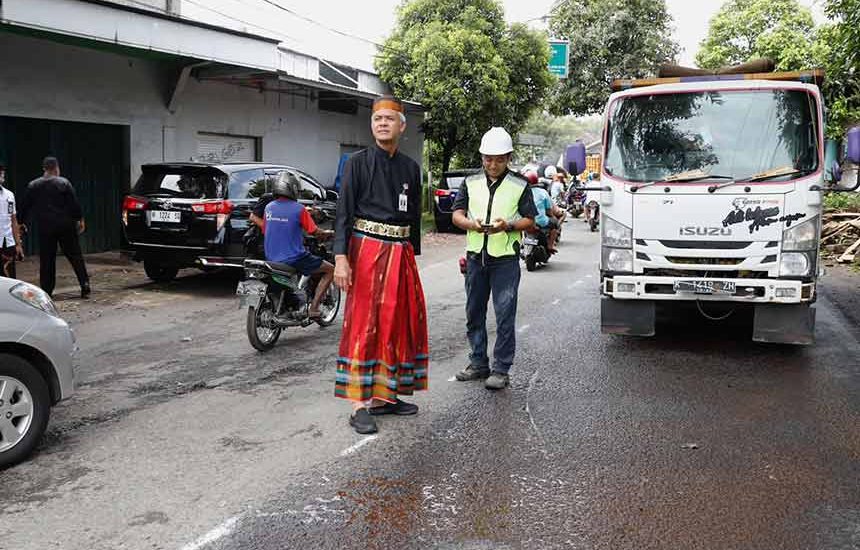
x,y
50,204
384,345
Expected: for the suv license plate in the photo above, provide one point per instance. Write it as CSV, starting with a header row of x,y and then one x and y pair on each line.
x,y
164,216
706,287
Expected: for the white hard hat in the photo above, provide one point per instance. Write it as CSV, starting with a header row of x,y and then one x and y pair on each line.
x,y
550,172
497,141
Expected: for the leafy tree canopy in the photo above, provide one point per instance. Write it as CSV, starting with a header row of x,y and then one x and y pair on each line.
x,y
468,67
609,39
781,30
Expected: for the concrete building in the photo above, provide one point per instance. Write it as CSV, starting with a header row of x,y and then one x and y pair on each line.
x,y
109,85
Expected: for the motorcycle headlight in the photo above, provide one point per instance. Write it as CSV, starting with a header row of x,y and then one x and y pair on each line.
x,y
35,297
803,236
794,264
616,235
618,260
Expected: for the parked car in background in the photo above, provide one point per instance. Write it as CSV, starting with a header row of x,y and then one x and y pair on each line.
x,y
444,195
36,371
195,215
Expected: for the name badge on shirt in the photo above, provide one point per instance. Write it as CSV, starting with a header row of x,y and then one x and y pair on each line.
x,y
403,204
10,207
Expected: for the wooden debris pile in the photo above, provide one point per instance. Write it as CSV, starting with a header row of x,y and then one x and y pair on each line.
x,y
840,236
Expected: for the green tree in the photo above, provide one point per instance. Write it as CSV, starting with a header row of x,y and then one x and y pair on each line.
x,y
468,67
838,50
781,30
609,39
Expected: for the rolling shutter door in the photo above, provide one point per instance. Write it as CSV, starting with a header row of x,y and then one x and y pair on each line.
x,y
226,148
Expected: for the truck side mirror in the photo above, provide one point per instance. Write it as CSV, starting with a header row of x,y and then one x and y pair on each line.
x,y
854,145
574,156
853,156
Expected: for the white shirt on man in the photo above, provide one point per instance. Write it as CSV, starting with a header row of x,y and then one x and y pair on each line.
x,y
7,210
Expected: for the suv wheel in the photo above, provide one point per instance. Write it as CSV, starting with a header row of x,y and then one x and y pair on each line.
x,y
25,406
158,272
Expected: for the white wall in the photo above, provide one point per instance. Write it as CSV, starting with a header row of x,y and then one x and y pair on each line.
x,y
42,79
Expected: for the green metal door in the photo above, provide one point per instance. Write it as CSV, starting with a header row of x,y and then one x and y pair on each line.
x,y
94,157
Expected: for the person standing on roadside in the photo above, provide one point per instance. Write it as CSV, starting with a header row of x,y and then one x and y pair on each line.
x,y
384,345
50,203
493,207
11,248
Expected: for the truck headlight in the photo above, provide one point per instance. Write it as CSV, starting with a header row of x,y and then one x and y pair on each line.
x,y
616,234
794,264
618,259
803,236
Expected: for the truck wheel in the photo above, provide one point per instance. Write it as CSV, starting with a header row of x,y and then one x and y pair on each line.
x,y
531,264
158,272
25,406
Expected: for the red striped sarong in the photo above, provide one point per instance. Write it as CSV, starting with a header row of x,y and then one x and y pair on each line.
x,y
383,348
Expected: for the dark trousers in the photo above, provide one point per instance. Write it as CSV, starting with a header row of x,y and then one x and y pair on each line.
x,y
501,278
67,237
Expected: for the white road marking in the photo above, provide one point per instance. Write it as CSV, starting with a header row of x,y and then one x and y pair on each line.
x,y
354,448
589,276
523,328
219,532
556,301
452,379
578,282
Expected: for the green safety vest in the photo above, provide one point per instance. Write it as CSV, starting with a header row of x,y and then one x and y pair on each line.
x,y
484,207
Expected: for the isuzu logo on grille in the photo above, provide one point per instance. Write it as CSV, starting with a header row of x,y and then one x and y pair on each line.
x,y
706,231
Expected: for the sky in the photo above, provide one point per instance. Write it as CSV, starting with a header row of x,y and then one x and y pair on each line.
x,y
372,20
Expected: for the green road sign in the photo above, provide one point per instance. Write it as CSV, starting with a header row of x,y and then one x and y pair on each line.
x,y
559,57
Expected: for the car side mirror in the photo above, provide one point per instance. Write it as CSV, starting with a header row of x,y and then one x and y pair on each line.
x,y
331,195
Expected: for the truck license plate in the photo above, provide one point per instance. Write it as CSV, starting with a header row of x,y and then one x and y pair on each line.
x,y
164,216
705,287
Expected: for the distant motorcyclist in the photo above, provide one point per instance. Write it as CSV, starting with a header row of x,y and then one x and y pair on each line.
x,y
545,219
285,221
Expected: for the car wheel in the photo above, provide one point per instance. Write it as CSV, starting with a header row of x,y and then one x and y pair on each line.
x,y
25,406
158,272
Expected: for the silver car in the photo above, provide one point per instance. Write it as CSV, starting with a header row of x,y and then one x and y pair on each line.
x,y
36,372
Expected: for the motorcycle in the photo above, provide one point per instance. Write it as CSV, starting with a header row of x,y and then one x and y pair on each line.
x,y
535,249
276,297
575,198
591,206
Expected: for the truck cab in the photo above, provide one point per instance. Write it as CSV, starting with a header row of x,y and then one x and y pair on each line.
x,y
711,194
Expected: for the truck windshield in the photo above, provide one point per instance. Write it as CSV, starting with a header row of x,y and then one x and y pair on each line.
x,y
737,134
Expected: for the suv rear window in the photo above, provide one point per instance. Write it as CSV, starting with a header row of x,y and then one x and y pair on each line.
x,y
185,184
249,184
454,182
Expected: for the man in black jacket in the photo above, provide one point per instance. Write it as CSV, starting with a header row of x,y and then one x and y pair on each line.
x,y
50,204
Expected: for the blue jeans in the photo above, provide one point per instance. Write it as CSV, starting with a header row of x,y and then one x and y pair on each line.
x,y
502,279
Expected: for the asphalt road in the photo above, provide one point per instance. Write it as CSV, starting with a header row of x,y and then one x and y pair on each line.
x,y
183,437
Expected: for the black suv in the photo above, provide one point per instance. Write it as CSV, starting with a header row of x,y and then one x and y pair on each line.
x,y
195,215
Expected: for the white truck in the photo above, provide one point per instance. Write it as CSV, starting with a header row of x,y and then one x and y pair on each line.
x,y
711,195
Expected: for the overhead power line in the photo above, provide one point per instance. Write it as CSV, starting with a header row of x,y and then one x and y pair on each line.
x,y
319,24
236,19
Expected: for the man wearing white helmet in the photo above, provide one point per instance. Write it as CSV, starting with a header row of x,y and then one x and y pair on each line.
x,y
493,207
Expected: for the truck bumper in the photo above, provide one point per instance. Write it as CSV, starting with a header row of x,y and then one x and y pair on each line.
x,y
750,291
